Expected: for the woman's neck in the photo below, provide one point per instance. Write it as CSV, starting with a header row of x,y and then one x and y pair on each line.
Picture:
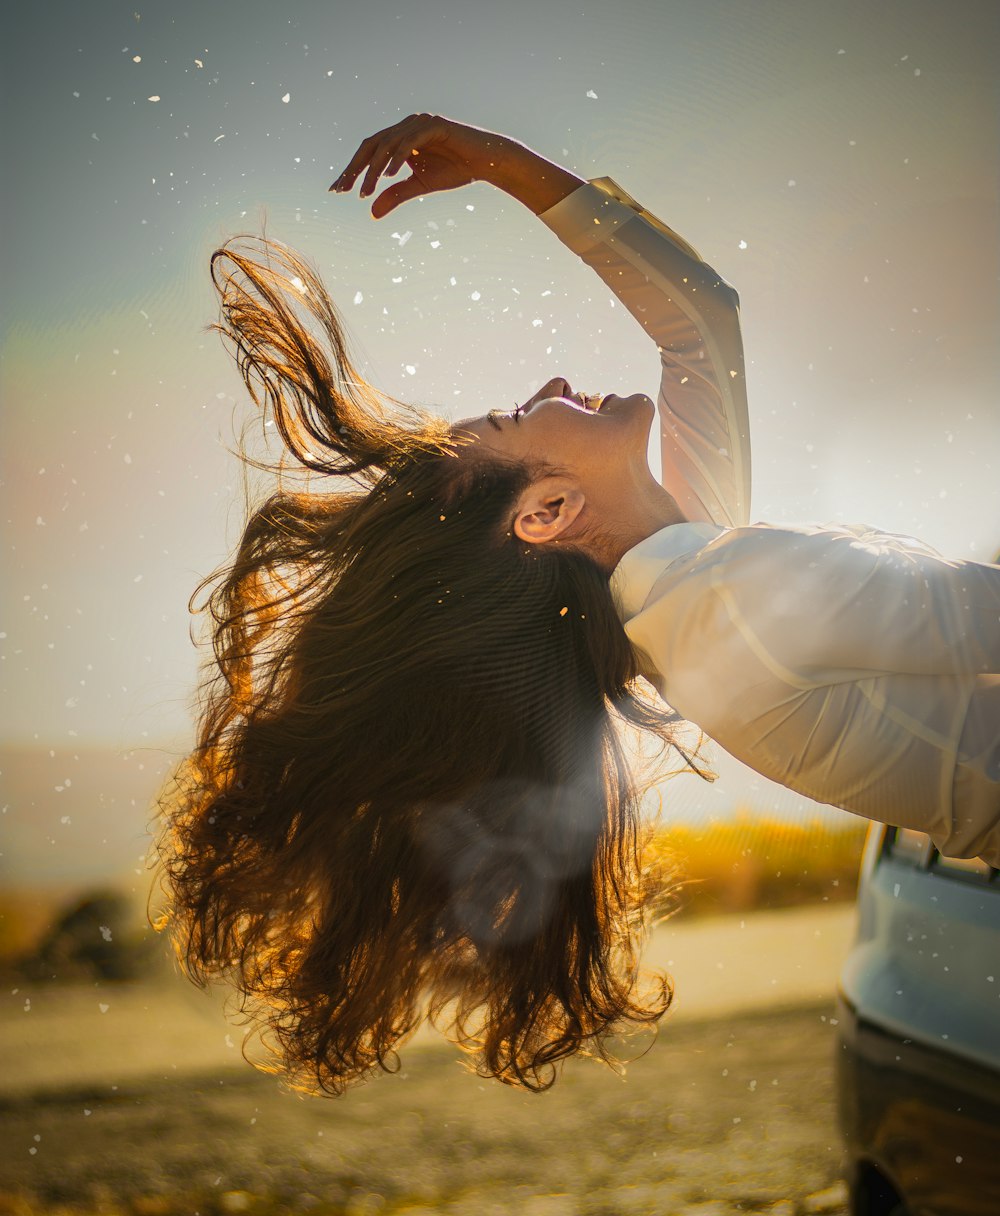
x,y
639,516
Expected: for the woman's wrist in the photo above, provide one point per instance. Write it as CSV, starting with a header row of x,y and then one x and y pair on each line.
x,y
534,181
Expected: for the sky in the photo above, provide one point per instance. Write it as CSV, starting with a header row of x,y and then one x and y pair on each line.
x,y
836,162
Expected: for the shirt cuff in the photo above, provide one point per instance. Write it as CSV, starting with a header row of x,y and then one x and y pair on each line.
x,y
587,216
591,213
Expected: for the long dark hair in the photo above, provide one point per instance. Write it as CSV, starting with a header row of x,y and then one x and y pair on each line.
x,y
408,793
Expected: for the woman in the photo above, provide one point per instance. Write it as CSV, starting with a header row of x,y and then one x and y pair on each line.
x,y
408,784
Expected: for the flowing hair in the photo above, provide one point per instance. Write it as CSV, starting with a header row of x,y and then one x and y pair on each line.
x,y
408,795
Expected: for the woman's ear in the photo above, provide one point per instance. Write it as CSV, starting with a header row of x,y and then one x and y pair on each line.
x,y
548,509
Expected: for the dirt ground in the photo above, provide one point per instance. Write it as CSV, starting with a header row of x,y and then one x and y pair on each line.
x,y
726,1114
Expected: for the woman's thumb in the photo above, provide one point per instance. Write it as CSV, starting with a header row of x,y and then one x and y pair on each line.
x,y
395,194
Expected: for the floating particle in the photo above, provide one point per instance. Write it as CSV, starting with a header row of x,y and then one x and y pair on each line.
x,y
743,244
591,93
155,97
298,284
476,295
137,59
402,237
287,98
215,141
358,297
198,63
410,369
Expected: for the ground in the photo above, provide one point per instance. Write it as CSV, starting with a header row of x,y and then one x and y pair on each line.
x,y
730,1110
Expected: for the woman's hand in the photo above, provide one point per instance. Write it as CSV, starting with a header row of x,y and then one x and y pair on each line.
x,y
443,155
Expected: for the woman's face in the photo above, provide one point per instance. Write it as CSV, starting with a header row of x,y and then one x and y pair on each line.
x,y
601,441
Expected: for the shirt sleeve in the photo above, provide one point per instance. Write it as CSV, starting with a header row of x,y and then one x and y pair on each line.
x,y
853,600
850,602
693,316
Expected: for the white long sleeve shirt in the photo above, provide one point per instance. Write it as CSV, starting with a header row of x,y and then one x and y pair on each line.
x,y
857,667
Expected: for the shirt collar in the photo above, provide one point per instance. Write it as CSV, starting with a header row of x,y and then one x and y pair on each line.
x,y
642,565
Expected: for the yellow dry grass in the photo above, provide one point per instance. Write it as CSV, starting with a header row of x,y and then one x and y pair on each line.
x,y
752,861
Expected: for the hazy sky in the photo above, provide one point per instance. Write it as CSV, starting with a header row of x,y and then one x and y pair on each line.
x,y
837,162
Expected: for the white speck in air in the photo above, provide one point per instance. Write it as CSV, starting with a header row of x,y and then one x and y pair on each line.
x,y
300,286
469,207
287,98
592,94
198,63
137,59
216,140
402,237
410,369
435,244
155,97
358,297
476,295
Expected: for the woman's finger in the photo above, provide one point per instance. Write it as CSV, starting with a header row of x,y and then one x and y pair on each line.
x,y
369,149
357,161
380,161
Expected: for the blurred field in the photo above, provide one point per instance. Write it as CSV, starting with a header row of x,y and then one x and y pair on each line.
x,y
752,862
746,863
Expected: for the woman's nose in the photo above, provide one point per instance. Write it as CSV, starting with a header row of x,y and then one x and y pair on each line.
x,y
559,385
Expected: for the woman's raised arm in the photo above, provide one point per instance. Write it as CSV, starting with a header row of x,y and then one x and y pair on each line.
x,y
680,301
692,315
